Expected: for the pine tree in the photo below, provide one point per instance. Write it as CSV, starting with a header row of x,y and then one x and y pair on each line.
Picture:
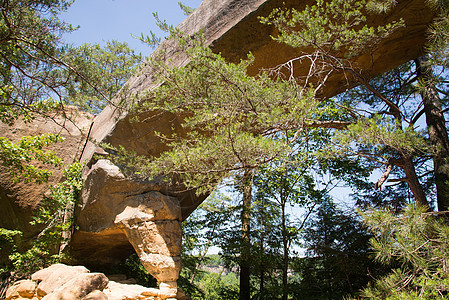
x,y
418,241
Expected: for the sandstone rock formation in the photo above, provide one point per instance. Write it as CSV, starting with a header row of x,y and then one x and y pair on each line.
x,y
62,282
19,200
22,289
118,209
55,276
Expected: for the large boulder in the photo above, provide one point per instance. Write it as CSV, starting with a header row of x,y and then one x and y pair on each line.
x,y
79,287
21,289
62,282
53,277
118,213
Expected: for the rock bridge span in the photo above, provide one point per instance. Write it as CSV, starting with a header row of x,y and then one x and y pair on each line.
x,y
119,215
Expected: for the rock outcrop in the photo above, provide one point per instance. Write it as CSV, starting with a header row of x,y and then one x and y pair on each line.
x,y
18,200
62,282
117,210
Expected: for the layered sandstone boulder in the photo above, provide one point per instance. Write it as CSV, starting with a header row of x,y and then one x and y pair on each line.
x,y
62,282
134,213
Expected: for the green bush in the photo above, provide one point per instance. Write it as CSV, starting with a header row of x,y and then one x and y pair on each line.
x,y
55,215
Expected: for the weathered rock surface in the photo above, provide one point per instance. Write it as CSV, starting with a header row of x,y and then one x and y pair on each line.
x,y
22,289
120,215
96,295
118,291
79,287
19,200
77,283
138,215
134,213
55,276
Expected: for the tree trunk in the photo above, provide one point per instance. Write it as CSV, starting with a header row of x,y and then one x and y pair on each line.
x,y
262,251
245,293
67,233
285,248
436,126
413,182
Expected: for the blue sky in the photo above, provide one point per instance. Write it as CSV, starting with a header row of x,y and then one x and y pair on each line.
x,y
105,20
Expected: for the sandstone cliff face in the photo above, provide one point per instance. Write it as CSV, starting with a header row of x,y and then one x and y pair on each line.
x,y
19,200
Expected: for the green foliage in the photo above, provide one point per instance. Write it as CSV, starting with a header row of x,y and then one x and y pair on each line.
x,y
207,226
186,9
153,40
330,26
133,268
230,118
439,36
107,68
217,287
282,186
337,261
419,242
62,196
38,72
209,219
8,237
191,289
8,244
377,125
37,257
10,113
20,158
376,133
30,49
56,214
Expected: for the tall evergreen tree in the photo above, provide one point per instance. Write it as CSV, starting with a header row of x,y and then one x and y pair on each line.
x,y
106,67
436,127
337,261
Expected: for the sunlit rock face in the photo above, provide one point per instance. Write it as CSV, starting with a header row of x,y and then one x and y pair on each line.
x,y
120,216
60,281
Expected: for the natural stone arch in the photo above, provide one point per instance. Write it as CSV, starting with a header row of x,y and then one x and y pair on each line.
x,y
232,28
